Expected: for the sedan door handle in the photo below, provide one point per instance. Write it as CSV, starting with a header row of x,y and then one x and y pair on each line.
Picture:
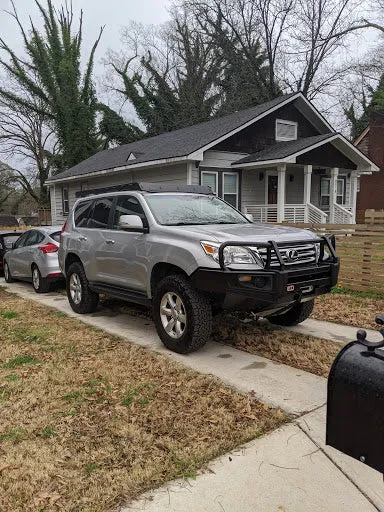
x,y
109,241
82,238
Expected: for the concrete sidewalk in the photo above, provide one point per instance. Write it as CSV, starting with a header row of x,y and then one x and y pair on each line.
x,y
289,470
285,471
331,331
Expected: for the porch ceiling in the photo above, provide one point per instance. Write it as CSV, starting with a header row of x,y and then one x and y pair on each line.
x,y
288,153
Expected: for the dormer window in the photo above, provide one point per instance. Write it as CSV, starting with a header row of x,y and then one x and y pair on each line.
x,y
131,156
286,130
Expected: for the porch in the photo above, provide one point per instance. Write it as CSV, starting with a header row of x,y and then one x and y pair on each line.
x,y
307,180
327,195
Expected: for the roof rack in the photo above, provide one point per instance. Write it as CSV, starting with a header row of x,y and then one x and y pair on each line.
x,y
148,187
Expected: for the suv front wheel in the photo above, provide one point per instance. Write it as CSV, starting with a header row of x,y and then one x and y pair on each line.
x,y
294,316
81,298
182,315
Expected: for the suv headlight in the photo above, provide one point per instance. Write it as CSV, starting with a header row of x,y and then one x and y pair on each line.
x,y
233,255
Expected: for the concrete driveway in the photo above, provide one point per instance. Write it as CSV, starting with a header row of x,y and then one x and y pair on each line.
x,y
288,470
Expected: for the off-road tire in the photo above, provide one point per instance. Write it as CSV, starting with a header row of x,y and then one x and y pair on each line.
x,y
294,316
7,274
44,284
89,298
198,314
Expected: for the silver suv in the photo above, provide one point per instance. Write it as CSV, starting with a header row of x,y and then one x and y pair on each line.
x,y
189,255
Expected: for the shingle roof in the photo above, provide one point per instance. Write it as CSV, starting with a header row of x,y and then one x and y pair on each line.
x,y
177,143
284,149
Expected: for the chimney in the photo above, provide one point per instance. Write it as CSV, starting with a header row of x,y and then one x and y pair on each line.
x,y
376,139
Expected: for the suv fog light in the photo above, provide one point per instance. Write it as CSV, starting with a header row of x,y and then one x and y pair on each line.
x,y
260,282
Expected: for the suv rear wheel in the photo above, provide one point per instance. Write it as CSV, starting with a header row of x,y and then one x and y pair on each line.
x,y
81,298
296,315
182,315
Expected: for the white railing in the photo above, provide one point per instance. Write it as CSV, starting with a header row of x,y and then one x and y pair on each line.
x,y
298,213
315,215
295,212
262,212
342,215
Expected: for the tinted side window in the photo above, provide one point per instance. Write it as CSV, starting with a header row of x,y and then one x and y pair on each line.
x,y
127,205
35,237
22,240
81,214
100,214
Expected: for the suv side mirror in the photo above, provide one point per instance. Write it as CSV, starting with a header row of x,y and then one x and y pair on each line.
x,y
249,216
131,223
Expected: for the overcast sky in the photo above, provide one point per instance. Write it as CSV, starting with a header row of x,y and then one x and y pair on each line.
x,y
114,14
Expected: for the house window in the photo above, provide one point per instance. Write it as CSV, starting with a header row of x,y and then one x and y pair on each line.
x,y
286,130
223,184
231,188
210,179
65,200
325,190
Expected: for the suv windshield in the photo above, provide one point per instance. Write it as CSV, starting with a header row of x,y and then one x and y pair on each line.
x,y
186,209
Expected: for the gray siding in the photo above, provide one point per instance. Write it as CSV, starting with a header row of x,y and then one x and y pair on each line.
x,y
294,190
252,189
164,174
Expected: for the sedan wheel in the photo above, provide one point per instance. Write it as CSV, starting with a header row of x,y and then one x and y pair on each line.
x,y
75,288
7,273
40,285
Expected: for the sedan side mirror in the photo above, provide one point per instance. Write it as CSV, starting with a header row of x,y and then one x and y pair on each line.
x,y
131,223
249,216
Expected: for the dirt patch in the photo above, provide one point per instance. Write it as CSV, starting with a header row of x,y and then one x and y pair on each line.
x,y
89,421
307,353
348,309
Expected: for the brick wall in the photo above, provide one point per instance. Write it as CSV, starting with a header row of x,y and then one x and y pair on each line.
x,y
371,195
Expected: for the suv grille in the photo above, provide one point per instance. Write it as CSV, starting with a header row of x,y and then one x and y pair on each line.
x,y
291,255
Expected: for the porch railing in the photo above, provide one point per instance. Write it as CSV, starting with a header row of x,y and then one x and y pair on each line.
x,y
342,215
262,212
292,213
315,215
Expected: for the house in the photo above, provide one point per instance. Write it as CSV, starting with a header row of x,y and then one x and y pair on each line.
x,y
280,161
371,143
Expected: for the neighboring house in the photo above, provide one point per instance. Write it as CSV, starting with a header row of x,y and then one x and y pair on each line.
x,y
371,143
280,161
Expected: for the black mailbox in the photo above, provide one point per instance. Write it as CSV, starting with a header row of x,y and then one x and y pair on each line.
x,y
355,409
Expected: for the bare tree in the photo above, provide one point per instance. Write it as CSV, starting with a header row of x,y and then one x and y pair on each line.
x,y
26,136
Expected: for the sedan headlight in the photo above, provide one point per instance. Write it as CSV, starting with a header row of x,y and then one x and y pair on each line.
x,y
233,255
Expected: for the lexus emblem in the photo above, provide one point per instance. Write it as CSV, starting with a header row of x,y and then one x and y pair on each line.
x,y
292,255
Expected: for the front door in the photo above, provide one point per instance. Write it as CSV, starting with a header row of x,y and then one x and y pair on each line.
x,y
272,189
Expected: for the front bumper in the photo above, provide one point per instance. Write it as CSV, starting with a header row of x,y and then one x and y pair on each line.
x,y
266,289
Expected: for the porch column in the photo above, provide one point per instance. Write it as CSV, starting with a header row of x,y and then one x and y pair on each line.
x,y
333,193
307,188
281,169
353,198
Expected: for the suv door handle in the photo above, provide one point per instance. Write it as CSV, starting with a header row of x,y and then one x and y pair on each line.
x,y
82,238
109,241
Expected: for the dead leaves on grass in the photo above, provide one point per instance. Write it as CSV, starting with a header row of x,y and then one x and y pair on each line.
x,y
99,421
307,353
348,310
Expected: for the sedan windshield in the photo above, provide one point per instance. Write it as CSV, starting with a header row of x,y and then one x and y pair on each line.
x,y
188,209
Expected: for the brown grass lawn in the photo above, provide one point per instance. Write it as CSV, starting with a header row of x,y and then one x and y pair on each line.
x,y
348,309
89,421
307,353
